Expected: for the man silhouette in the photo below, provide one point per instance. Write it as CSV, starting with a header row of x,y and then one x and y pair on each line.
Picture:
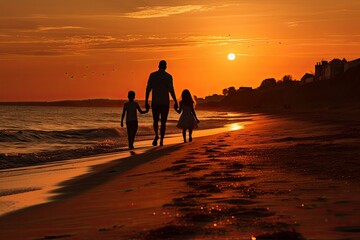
x,y
161,84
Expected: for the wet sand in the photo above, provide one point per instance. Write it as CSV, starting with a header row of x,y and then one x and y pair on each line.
x,y
277,178
25,186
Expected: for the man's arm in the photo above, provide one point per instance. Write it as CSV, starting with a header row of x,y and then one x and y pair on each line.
x,y
174,98
147,94
178,110
172,93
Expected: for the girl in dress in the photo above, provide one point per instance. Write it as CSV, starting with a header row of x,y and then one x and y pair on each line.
x,y
188,119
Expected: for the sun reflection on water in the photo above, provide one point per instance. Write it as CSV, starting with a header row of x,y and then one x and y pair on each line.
x,y
235,126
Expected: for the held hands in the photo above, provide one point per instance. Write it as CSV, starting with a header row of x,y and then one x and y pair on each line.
x,y
176,108
147,106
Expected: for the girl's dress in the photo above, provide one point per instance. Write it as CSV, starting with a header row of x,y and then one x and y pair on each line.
x,y
187,119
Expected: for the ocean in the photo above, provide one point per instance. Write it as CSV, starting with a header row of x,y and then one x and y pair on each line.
x,y
39,133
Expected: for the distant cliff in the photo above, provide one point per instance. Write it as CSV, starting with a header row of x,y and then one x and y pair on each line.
x,y
344,89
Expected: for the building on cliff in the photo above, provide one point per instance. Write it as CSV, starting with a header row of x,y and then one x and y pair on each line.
x,y
325,70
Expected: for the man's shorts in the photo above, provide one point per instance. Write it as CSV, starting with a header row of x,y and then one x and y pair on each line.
x,y
160,112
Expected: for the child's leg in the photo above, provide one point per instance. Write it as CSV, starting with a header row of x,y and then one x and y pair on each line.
x,y
184,135
134,128
136,125
128,128
190,135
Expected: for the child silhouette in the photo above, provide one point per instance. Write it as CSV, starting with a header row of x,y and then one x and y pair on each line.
x,y
130,108
188,119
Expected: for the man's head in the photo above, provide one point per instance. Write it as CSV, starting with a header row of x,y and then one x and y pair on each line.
x,y
162,64
131,95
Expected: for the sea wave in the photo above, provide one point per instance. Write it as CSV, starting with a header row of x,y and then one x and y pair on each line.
x,y
14,160
76,134
35,135
33,147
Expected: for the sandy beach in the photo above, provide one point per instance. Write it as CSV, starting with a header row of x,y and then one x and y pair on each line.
x,y
199,120
274,178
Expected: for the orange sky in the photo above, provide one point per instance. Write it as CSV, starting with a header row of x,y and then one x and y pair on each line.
x,y
80,49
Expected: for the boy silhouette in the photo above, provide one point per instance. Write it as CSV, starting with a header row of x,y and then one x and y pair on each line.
x,y
130,109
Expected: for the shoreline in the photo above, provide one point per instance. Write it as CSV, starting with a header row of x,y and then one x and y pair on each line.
x,y
25,194
269,178
32,147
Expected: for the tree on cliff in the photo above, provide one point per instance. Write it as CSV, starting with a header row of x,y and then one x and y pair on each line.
x,y
229,91
267,83
287,78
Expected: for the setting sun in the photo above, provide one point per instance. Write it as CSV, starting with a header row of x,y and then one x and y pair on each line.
x,y
231,56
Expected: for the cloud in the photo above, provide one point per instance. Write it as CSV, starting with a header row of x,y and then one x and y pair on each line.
x,y
48,46
55,45
43,53
293,24
51,46
30,51
164,11
49,28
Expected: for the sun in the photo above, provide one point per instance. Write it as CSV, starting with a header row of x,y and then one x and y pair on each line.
x,y
231,56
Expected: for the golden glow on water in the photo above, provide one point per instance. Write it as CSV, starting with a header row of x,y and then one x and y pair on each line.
x,y
233,114
235,126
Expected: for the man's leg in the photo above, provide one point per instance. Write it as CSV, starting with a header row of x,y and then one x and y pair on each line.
x,y
164,116
155,114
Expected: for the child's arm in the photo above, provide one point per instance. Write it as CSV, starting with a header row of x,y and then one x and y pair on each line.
x,y
193,112
123,115
141,111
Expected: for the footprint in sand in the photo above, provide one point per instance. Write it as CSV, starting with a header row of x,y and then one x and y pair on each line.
x,y
169,231
54,237
225,145
281,235
205,187
180,161
109,229
197,168
210,144
212,150
175,168
194,153
237,201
